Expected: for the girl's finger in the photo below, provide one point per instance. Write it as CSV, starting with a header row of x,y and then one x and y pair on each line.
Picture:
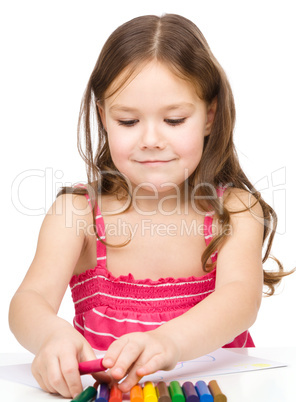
x,y
131,379
70,372
87,353
155,363
103,377
114,351
56,379
147,364
41,377
126,359
43,385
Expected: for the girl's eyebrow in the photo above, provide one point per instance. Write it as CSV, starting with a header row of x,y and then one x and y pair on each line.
x,y
179,106
123,108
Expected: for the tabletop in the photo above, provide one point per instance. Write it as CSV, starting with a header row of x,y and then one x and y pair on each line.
x,y
270,385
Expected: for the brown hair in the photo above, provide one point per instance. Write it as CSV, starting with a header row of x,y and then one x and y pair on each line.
x,y
177,42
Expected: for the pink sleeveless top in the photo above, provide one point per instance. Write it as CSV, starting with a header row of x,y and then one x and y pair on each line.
x,y
107,307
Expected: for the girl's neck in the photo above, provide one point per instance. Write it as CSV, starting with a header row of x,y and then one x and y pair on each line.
x,y
164,202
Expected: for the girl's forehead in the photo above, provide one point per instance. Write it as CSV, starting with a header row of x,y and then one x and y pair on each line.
x,y
148,76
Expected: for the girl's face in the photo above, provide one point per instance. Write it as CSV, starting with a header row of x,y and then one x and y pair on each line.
x,y
156,125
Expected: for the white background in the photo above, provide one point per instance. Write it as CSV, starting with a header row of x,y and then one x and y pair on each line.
x,y
48,50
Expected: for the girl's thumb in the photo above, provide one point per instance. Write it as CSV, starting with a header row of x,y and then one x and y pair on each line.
x,y
87,353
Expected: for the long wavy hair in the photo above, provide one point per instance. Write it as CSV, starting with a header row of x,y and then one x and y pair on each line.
x,y
177,42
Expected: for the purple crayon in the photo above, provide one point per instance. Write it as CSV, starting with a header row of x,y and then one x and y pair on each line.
x,y
190,392
103,394
203,392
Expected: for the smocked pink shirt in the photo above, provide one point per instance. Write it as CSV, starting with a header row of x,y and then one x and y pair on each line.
x,y
107,307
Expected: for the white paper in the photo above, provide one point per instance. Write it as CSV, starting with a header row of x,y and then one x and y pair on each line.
x,y
21,373
220,362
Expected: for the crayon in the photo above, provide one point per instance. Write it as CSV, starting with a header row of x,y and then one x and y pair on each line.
x,y
203,392
136,394
115,394
190,392
91,366
176,392
149,392
162,392
96,385
216,392
103,393
86,395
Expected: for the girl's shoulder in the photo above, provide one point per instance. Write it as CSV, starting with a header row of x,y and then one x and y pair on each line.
x,y
242,201
71,219
73,207
61,242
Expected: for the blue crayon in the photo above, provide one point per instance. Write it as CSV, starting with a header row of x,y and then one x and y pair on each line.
x,y
190,392
103,393
203,392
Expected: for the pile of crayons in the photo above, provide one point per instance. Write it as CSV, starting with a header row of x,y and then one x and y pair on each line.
x,y
174,392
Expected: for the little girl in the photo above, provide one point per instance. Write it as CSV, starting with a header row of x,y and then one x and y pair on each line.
x,y
163,246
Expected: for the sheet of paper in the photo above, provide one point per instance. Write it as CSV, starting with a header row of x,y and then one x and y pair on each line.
x,y
220,362
21,373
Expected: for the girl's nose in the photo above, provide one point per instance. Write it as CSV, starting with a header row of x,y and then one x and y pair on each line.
x,y
151,138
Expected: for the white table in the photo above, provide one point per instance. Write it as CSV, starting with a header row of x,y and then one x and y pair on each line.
x,y
271,385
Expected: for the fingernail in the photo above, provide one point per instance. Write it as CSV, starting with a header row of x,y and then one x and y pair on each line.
x,y
108,362
118,371
141,372
124,387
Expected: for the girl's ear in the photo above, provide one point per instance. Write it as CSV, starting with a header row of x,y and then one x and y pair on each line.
x,y
211,112
102,113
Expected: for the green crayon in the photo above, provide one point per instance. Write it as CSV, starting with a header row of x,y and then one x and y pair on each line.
x,y
86,395
176,392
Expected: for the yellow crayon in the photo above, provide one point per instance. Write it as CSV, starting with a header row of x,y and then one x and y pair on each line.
x,y
149,392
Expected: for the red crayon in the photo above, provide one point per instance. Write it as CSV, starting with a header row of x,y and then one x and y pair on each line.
x,y
115,394
91,366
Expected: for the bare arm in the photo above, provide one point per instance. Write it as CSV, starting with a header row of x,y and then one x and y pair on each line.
x,y
215,321
33,311
234,305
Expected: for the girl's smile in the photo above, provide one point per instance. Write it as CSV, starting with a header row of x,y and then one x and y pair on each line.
x,y
155,162
156,126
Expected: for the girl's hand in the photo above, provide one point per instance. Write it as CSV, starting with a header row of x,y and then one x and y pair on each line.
x,y
139,354
55,367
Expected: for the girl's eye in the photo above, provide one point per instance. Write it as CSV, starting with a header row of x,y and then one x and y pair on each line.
x,y
127,123
175,122
171,122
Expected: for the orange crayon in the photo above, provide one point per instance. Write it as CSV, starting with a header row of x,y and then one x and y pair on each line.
x,y
136,394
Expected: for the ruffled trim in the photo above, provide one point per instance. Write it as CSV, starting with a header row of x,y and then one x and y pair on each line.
x,y
129,279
